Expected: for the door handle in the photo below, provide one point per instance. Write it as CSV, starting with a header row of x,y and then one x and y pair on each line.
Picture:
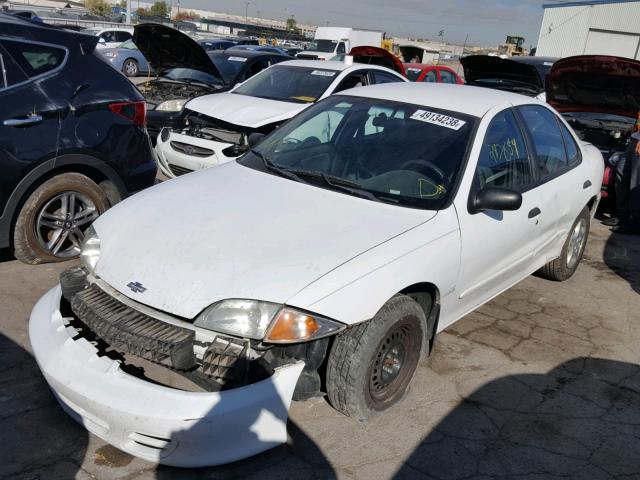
x,y
534,212
20,122
586,184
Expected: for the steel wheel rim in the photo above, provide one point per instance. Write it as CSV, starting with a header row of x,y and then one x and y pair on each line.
x,y
387,371
61,223
576,243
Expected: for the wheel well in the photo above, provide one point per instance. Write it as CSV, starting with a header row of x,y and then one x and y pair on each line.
x,y
591,204
427,296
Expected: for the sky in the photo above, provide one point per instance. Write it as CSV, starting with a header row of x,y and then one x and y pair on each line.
x,y
486,22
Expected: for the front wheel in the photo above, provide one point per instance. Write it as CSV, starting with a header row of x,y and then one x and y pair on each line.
x,y
563,267
371,364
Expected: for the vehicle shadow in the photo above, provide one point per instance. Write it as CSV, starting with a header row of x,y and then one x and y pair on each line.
x,y
39,440
622,255
6,255
580,420
300,457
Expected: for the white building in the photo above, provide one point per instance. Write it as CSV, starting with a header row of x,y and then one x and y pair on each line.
x,y
600,27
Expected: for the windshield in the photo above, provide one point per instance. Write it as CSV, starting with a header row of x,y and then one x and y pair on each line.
x,y
386,151
129,45
229,66
323,46
413,73
289,84
191,75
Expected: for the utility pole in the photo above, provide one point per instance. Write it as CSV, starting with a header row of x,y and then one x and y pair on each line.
x,y
128,15
246,17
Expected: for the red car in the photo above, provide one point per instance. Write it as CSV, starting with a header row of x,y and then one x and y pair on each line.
x,y
599,96
419,72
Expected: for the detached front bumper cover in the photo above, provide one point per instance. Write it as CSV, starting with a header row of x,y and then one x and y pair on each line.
x,y
154,422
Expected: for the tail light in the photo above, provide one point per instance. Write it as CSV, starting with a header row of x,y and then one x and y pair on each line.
x,y
133,111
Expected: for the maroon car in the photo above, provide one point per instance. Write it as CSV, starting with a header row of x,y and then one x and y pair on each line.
x,y
599,96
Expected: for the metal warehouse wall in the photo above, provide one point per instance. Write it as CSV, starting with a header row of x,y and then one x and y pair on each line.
x,y
599,28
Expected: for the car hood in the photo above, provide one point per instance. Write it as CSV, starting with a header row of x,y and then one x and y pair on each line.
x,y
234,232
165,47
377,56
481,67
244,110
595,83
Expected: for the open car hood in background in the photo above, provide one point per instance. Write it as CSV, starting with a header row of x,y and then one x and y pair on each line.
x,y
165,47
485,67
595,83
377,56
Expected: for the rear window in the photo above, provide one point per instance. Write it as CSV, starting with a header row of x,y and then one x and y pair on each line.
x,y
35,59
413,73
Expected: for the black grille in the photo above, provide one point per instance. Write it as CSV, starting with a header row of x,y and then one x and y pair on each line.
x,y
72,281
177,170
192,150
226,361
132,332
306,56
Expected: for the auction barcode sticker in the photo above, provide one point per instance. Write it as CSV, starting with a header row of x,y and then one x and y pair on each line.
x,y
237,59
324,73
438,119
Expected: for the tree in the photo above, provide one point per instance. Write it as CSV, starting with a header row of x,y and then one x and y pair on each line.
x,y
291,24
159,8
97,7
187,15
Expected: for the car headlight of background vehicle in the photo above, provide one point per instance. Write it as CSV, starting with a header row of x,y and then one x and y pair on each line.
x,y
171,105
266,321
90,251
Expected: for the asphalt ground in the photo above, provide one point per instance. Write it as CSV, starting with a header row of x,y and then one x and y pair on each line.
x,y
543,382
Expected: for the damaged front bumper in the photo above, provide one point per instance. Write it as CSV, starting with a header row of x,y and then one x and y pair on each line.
x,y
156,422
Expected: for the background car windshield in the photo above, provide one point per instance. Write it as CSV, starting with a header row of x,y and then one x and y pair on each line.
x,y
289,84
323,46
398,152
191,75
129,45
229,65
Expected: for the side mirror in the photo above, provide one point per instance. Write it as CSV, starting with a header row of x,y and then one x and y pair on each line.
x,y
102,41
494,198
255,139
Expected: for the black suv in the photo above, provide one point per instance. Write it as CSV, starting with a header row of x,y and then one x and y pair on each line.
x,y
72,139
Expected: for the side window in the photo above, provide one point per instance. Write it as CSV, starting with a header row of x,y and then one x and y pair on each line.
x,y
573,152
122,36
35,59
430,77
341,48
503,160
10,72
108,36
447,77
384,77
550,155
351,81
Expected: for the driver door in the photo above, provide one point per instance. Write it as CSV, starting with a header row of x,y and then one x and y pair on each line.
x,y
498,246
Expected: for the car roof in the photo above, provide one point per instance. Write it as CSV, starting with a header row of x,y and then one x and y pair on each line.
x,y
247,53
333,65
421,66
474,101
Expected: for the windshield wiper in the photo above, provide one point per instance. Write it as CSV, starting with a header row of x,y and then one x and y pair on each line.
x,y
272,167
339,183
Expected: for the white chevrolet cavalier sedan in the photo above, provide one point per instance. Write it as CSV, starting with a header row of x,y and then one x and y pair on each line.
x,y
326,259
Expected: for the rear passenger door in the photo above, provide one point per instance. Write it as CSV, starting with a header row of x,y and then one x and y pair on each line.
x,y
556,154
29,119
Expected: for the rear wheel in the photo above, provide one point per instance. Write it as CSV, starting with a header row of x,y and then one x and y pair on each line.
x,y
563,267
370,365
51,224
130,67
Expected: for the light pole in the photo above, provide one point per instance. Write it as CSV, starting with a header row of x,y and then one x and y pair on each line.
x,y
246,16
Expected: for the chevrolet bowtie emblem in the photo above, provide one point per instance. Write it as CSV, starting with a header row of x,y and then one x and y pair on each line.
x,y
136,287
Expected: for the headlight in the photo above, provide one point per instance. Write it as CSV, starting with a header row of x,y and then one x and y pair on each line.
x,y
90,252
264,320
171,105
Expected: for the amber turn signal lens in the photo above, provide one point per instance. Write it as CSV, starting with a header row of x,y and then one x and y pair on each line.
x,y
290,325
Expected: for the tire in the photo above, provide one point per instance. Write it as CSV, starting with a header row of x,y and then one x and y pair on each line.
x,y
130,67
44,232
563,267
355,381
